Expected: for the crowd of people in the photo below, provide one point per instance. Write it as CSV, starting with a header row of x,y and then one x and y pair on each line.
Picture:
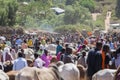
x,y
94,53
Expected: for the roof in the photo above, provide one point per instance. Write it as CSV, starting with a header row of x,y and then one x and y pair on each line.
x,y
58,10
117,24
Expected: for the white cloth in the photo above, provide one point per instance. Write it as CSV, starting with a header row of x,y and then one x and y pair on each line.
x,y
6,50
19,64
39,63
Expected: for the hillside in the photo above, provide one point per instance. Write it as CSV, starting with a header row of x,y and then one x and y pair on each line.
x,y
107,5
40,14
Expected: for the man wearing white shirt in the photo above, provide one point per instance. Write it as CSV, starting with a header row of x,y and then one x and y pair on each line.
x,y
38,62
20,62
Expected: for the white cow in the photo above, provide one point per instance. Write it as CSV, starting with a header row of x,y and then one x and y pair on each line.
x,y
3,76
33,73
105,74
69,71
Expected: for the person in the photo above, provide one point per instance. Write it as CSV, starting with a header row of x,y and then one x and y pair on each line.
x,y
38,62
20,62
18,41
94,60
46,58
117,57
24,45
82,59
59,47
105,56
6,56
30,43
36,45
60,54
1,52
67,57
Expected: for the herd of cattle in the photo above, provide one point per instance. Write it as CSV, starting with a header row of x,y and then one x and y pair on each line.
x,y
56,71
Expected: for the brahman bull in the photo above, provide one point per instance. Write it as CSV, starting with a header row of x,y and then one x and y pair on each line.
x,y
69,71
33,73
105,74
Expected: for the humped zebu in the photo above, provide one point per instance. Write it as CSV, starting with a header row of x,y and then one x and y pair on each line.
x,y
105,74
33,73
69,71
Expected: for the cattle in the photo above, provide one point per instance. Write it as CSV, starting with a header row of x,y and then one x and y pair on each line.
x,y
69,71
33,73
105,74
82,71
12,74
3,76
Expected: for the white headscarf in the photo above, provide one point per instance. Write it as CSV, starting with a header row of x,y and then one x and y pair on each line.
x,y
6,50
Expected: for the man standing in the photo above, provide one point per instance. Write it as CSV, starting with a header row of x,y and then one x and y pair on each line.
x,y
94,60
20,62
59,47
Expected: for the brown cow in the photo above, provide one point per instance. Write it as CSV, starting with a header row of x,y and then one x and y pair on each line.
x,y
12,74
82,71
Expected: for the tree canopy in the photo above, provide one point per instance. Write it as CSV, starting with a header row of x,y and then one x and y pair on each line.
x,y
8,9
118,9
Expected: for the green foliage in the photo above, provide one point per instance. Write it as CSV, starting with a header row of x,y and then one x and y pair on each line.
x,y
90,4
67,28
70,2
118,9
99,24
74,15
8,10
72,28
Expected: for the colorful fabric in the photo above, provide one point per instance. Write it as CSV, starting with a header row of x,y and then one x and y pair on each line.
x,y
103,59
30,43
58,49
46,59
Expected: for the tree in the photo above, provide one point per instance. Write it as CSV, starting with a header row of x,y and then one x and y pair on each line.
x,y
90,4
8,10
70,2
74,15
118,9
12,9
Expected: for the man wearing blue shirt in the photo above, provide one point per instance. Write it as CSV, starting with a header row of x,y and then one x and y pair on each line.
x,y
20,62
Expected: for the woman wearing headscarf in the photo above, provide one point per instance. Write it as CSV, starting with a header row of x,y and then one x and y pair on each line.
x,y
6,56
46,58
